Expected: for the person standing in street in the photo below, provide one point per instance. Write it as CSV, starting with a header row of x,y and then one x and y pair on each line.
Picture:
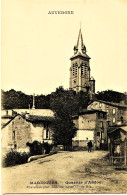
x,y
89,146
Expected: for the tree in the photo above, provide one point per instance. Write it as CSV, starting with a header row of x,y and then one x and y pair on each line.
x,y
65,104
109,95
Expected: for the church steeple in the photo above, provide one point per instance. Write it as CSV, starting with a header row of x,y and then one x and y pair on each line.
x,y
80,47
80,68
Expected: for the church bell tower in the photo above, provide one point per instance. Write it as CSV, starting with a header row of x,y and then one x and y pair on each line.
x,y
80,79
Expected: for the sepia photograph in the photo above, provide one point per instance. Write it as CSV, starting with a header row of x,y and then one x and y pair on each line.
x,y
64,96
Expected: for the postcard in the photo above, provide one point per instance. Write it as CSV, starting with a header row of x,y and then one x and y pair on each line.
x,y
64,96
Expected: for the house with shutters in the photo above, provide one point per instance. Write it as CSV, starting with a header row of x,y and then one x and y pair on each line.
x,y
116,112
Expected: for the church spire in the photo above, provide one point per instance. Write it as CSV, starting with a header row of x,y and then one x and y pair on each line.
x,y
80,41
80,47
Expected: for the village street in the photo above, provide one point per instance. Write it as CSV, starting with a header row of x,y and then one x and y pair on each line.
x,y
65,172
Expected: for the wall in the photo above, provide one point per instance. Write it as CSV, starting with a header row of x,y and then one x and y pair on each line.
x,y
86,125
16,134
22,130
84,135
37,131
112,118
87,121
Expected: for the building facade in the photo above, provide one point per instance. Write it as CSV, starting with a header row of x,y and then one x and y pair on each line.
x,y
92,126
116,112
80,78
22,129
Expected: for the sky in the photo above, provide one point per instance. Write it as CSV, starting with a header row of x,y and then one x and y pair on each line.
x,y
37,46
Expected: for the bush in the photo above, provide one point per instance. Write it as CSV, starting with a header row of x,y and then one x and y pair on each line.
x,y
35,148
15,158
47,147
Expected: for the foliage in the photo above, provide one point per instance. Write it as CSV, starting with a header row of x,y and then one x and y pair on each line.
x,y
47,147
35,148
14,158
16,99
109,95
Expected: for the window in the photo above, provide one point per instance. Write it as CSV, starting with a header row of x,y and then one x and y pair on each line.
x,y
15,146
101,124
73,71
100,105
101,115
82,69
76,69
121,119
114,111
47,133
85,70
108,123
98,134
13,135
114,120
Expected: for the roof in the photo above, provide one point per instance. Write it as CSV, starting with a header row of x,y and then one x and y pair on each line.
x,y
113,129
92,79
5,124
33,118
36,112
110,103
80,49
80,54
88,112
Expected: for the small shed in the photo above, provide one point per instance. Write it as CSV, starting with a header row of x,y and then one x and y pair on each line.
x,y
118,145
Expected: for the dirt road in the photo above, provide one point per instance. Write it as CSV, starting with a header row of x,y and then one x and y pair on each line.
x,y
67,172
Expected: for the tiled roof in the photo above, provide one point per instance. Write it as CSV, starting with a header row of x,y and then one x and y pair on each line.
x,y
115,128
111,103
36,112
88,112
33,118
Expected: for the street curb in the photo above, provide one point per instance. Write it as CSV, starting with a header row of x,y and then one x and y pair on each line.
x,y
39,156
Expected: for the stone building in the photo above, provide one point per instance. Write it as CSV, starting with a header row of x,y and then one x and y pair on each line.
x,y
116,112
34,126
80,78
91,125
